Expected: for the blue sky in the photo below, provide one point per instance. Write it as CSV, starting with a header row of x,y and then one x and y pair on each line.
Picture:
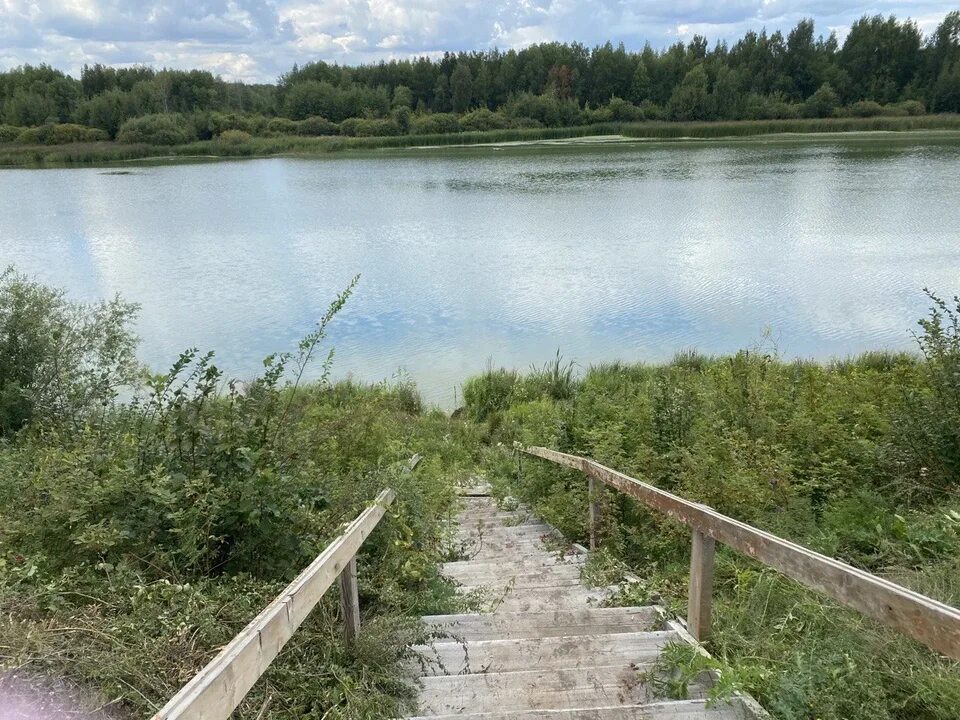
x,y
258,39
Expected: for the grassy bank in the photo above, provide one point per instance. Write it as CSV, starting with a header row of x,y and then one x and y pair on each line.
x,y
137,537
858,459
103,153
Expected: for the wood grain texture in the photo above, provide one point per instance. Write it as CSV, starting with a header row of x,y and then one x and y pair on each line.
x,y
218,688
933,623
700,596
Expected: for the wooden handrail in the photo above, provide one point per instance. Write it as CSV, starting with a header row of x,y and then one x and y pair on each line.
x,y
933,623
218,688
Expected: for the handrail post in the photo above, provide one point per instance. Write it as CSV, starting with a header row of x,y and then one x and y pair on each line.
x,y
350,600
594,511
700,596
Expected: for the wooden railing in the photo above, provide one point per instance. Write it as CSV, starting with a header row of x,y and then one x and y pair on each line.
x,y
933,623
218,688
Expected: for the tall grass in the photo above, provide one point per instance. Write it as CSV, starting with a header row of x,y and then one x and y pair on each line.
x,y
109,152
857,458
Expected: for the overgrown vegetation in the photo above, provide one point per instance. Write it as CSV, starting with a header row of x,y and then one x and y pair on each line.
x,y
146,517
238,144
884,68
858,459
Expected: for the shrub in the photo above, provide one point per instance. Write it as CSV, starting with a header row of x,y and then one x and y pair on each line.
x,y
9,133
546,109
434,124
483,119
234,137
162,129
489,393
280,126
60,134
652,111
624,111
59,359
866,108
316,126
821,103
596,116
913,107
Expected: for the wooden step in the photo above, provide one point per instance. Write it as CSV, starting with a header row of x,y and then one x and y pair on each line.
x,y
550,653
550,623
663,710
514,566
547,576
591,687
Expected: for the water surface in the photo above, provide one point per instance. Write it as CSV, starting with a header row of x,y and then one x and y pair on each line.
x,y
627,252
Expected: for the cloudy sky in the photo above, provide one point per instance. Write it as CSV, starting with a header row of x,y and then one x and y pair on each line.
x,y
258,39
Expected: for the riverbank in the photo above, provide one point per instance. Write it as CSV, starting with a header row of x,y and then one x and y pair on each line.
x,y
112,153
136,538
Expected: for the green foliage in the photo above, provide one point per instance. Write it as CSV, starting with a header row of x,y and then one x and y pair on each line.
x,y
234,137
434,124
858,459
60,134
822,103
761,76
9,133
156,130
316,126
59,360
137,536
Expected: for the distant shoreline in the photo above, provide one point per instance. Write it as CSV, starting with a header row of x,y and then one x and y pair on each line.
x,y
111,153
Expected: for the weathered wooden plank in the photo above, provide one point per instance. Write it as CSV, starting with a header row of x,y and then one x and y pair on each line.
x,y
700,596
929,621
219,687
550,623
350,600
544,653
538,690
592,491
664,710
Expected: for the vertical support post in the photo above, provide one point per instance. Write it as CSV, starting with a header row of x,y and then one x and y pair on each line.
x,y
700,599
350,600
594,511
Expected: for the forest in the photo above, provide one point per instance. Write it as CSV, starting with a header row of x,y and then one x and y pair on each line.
x,y
883,67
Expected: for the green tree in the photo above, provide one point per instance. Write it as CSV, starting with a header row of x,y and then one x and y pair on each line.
x,y
946,91
881,56
822,103
640,85
461,87
691,99
402,97
441,94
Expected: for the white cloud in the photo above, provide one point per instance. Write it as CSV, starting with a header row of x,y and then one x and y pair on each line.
x,y
258,39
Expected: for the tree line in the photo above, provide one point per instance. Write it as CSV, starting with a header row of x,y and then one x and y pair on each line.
x,y
883,66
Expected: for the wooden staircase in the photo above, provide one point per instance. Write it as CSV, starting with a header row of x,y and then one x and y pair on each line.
x,y
547,649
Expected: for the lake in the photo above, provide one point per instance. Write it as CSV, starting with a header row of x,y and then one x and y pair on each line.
x,y
632,251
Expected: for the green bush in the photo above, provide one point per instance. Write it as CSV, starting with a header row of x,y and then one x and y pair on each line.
x,y
234,137
545,109
913,108
60,134
280,126
362,127
9,133
434,124
59,359
483,119
162,129
624,111
822,103
139,534
866,108
316,126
